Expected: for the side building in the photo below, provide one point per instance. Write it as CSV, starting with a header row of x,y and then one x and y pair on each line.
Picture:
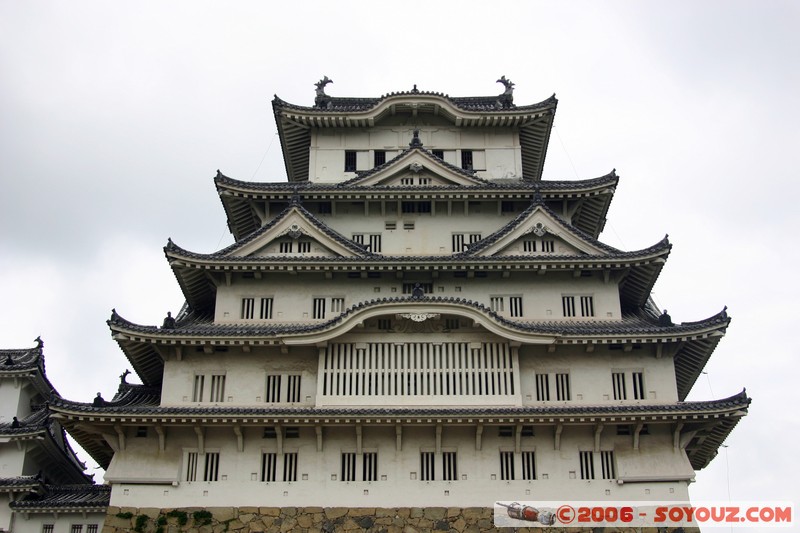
x,y
42,485
415,319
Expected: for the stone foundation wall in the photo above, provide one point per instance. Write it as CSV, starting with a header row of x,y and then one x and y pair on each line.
x,y
319,520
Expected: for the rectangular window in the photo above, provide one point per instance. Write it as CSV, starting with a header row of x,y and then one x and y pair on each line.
x,y
415,207
408,288
141,431
438,153
265,312
528,465
285,247
506,206
304,247
507,466
370,241
466,159
424,181
390,225
587,306
505,431
92,528
48,528
529,246
515,306
452,323
273,392
248,305
211,471
217,388
337,305
607,460
497,304
292,433
449,466
349,161
197,391
270,432
76,528
527,431
191,466
293,388
587,465
408,225
269,463
426,466
290,467
568,305
618,382
462,241
325,208
638,385
406,181
562,388
319,308
369,471
380,157
348,466
548,246
542,387
384,324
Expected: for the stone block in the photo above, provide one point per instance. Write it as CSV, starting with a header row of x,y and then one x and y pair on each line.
x,y
269,511
361,511
453,511
417,512
305,520
335,512
435,513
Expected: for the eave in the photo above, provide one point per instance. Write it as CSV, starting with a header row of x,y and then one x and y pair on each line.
x,y
295,123
700,427
196,272
588,200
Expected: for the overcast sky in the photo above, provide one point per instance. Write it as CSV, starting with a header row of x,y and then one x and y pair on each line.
x,y
114,118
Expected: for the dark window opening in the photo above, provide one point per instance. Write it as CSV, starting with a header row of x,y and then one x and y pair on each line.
x,y
350,161
466,159
380,157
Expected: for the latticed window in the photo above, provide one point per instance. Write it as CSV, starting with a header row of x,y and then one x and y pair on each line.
x,y
248,306
587,306
449,466
380,157
304,247
618,383
607,462
563,393
290,467
92,528
269,464
528,465
542,387
350,161
369,471
319,308
217,392
507,466
76,528
286,247
427,462
388,369
211,470
48,528
466,159
638,385
265,310
568,305
515,306
462,241
348,469
587,465
370,241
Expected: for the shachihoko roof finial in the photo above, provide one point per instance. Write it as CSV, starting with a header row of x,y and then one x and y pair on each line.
x,y
507,98
415,90
322,99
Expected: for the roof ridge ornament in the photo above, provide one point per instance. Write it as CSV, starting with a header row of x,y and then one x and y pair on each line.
x,y
322,100
507,98
415,90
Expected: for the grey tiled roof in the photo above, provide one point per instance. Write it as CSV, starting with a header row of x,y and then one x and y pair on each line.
x,y
20,482
738,401
611,179
35,422
357,249
631,324
66,497
484,104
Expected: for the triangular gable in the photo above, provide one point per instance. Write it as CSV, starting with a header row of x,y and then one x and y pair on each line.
x,y
416,167
536,232
296,234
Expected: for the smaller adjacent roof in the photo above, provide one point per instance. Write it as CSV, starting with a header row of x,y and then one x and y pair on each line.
x,y
65,498
28,362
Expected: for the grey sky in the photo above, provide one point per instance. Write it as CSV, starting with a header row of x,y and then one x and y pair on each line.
x,y
115,116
